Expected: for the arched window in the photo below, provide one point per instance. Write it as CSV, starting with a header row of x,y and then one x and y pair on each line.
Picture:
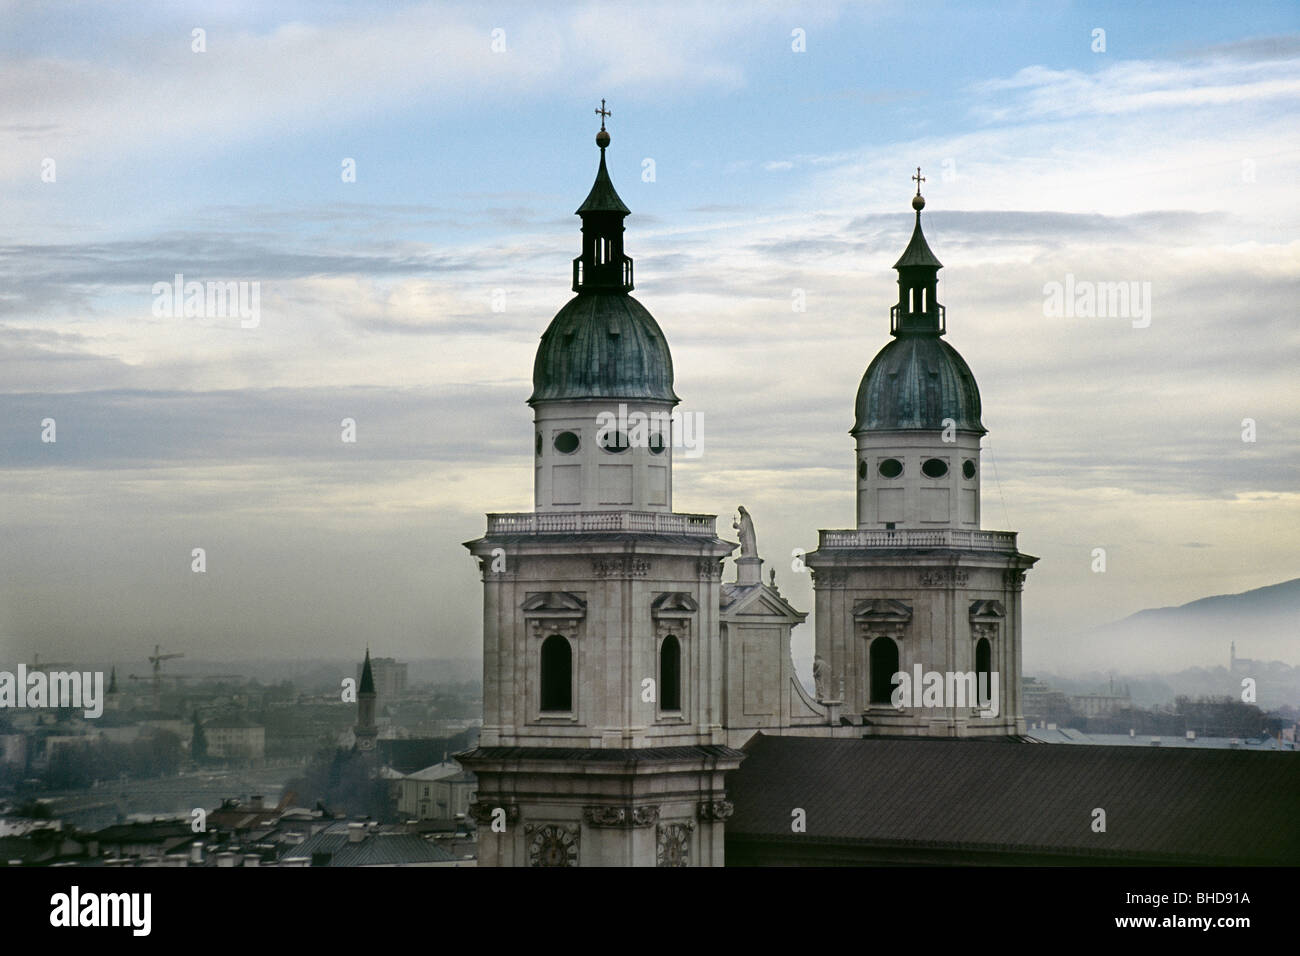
x,y
670,674
557,674
884,665
983,669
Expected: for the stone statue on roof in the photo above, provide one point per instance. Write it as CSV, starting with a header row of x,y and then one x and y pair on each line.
x,y
745,525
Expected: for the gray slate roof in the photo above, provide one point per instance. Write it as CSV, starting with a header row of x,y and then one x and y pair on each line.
x,y
1162,805
377,849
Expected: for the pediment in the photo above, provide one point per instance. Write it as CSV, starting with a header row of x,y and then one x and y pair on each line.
x,y
882,611
757,601
673,604
987,611
554,603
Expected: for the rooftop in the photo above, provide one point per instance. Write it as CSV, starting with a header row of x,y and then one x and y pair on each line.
x,y
1019,800
449,771
376,849
1068,735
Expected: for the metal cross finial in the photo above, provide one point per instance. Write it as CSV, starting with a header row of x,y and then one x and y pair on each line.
x,y
918,178
603,113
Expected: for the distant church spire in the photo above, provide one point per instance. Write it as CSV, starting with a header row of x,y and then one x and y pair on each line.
x,y
918,310
602,267
367,676
366,731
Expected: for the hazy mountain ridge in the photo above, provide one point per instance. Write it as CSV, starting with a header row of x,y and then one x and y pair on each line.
x,y
1272,599
1264,622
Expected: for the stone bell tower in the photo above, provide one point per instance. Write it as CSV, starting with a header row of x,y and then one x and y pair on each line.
x,y
602,740
918,588
366,733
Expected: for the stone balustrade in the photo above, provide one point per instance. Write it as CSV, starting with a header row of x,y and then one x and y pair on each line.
x,y
570,522
920,538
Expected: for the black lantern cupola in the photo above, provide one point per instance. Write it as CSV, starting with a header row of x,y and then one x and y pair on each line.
x,y
602,267
918,310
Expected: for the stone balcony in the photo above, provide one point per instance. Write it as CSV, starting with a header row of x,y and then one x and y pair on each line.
x,y
919,538
587,522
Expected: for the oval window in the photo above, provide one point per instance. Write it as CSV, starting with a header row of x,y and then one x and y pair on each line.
x,y
862,471
614,442
890,468
968,469
934,468
657,445
566,443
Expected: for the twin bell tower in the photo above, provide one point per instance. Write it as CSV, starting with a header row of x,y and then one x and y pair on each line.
x,y
621,674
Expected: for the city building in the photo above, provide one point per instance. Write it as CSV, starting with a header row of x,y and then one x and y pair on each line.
x,y
13,750
443,791
235,737
1094,705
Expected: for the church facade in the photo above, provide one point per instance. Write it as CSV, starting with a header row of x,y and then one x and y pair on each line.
x,y
622,674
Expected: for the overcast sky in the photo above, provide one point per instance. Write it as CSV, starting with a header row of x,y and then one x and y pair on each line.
x,y
1171,158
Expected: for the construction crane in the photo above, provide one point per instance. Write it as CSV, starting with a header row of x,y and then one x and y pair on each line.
x,y
158,657
156,660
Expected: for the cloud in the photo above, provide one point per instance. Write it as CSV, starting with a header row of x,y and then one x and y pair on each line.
x,y
129,93
1282,47
120,428
171,432
1037,92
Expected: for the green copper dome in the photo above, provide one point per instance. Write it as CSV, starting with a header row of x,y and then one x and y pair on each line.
x,y
915,382
603,345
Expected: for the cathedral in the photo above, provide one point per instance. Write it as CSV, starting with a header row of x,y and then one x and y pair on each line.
x,y
622,674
